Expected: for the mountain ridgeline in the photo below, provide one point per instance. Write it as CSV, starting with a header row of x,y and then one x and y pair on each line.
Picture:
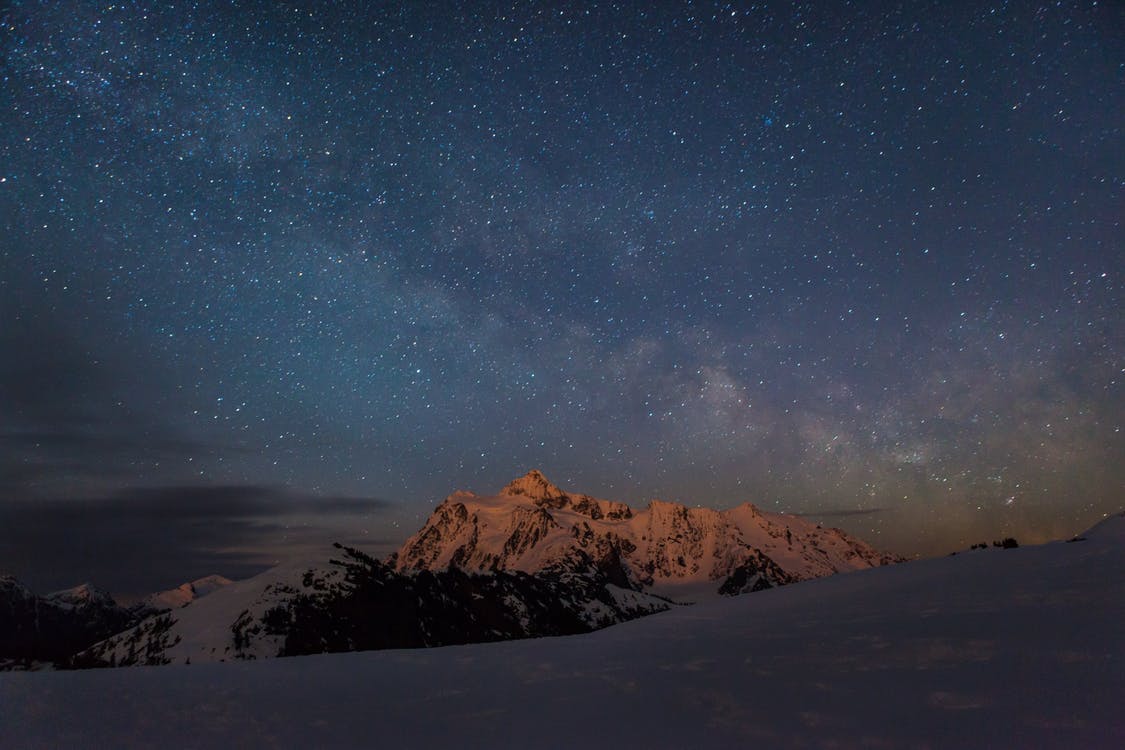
x,y
531,561
36,631
667,548
50,629
348,601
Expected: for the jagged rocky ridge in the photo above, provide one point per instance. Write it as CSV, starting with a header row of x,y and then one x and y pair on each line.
x,y
533,526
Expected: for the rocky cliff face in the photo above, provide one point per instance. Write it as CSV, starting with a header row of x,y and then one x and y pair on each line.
x,y
533,526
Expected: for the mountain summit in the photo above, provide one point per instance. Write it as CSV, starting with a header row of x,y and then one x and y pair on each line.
x,y
534,486
534,527
39,630
185,593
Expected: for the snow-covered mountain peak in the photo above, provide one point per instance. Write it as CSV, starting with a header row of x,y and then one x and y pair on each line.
x,y
81,595
534,486
535,527
186,593
748,508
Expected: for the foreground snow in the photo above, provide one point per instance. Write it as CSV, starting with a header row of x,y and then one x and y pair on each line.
x,y
1000,648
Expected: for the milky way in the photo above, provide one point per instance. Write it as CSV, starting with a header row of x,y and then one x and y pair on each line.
x,y
860,262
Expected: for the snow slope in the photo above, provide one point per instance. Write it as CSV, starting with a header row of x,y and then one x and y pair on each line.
x,y
185,593
202,632
344,600
1001,648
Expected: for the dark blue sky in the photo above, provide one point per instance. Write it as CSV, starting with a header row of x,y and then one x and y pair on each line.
x,y
861,262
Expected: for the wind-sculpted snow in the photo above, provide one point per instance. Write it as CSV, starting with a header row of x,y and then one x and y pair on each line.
x,y
352,602
532,525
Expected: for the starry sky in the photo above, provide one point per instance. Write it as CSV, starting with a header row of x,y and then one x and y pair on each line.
x,y
273,272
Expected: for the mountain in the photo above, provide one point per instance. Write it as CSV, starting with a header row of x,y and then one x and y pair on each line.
x,y
670,549
1019,649
1109,529
81,597
345,600
531,561
185,593
40,630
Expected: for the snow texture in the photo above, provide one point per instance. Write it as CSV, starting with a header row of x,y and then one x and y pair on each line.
x,y
1004,648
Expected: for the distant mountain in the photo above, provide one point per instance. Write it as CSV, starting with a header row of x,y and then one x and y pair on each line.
x,y
666,548
348,601
531,561
185,593
48,630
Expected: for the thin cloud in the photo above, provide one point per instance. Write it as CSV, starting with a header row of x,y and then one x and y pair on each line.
x,y
142,540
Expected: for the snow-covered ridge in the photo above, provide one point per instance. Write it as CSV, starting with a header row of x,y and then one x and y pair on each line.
x,y
1111,528
82,595
345,600
534,526
186,593
533,486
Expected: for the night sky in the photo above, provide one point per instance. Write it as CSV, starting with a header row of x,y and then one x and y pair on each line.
x,y
276,272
